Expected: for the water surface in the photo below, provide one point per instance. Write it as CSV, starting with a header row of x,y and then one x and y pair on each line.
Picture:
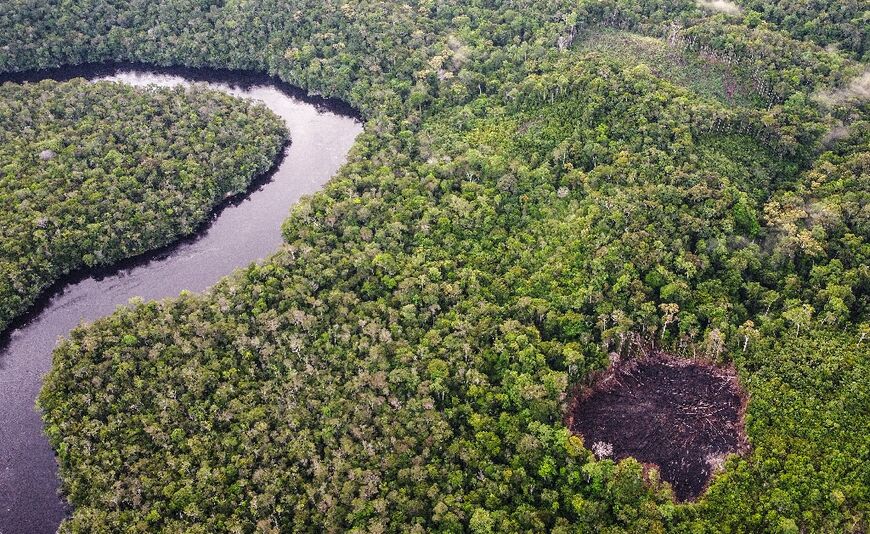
x,y
243,230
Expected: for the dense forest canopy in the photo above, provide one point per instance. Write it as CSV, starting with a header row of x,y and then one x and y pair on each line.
x,y
844,24
523,202
91,173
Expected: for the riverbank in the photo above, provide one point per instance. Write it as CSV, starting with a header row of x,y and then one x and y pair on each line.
x,y
244,229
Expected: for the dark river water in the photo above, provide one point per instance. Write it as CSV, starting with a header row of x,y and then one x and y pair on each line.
x,y
243,230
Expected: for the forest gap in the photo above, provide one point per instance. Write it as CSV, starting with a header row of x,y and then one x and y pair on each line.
x,y
684,417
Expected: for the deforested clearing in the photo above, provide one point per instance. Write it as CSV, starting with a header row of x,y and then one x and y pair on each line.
x,y
682,416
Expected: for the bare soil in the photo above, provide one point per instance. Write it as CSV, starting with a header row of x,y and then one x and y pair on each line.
x,y
682,416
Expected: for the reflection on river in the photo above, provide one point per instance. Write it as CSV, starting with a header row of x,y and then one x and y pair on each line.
x,y
242,231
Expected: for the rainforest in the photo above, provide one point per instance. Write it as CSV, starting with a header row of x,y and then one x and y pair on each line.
x,y
590,266
92,174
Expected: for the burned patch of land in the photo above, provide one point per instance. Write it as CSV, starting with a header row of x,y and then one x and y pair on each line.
x,y
682,416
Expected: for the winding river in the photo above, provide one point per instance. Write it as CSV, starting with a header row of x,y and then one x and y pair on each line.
x,y
241,231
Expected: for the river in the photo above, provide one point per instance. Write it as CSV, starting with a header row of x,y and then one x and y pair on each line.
x,y
242,230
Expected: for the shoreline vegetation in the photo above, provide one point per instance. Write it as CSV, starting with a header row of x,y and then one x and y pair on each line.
x,y
517,209
98,172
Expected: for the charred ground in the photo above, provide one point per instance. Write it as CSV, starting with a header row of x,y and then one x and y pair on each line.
x,y
682,416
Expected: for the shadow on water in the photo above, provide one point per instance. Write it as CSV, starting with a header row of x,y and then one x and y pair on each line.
x,y
236,79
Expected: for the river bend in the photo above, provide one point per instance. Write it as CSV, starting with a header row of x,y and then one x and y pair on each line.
x,y
241,231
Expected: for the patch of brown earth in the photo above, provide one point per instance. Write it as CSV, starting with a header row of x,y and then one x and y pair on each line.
x,y
682,416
